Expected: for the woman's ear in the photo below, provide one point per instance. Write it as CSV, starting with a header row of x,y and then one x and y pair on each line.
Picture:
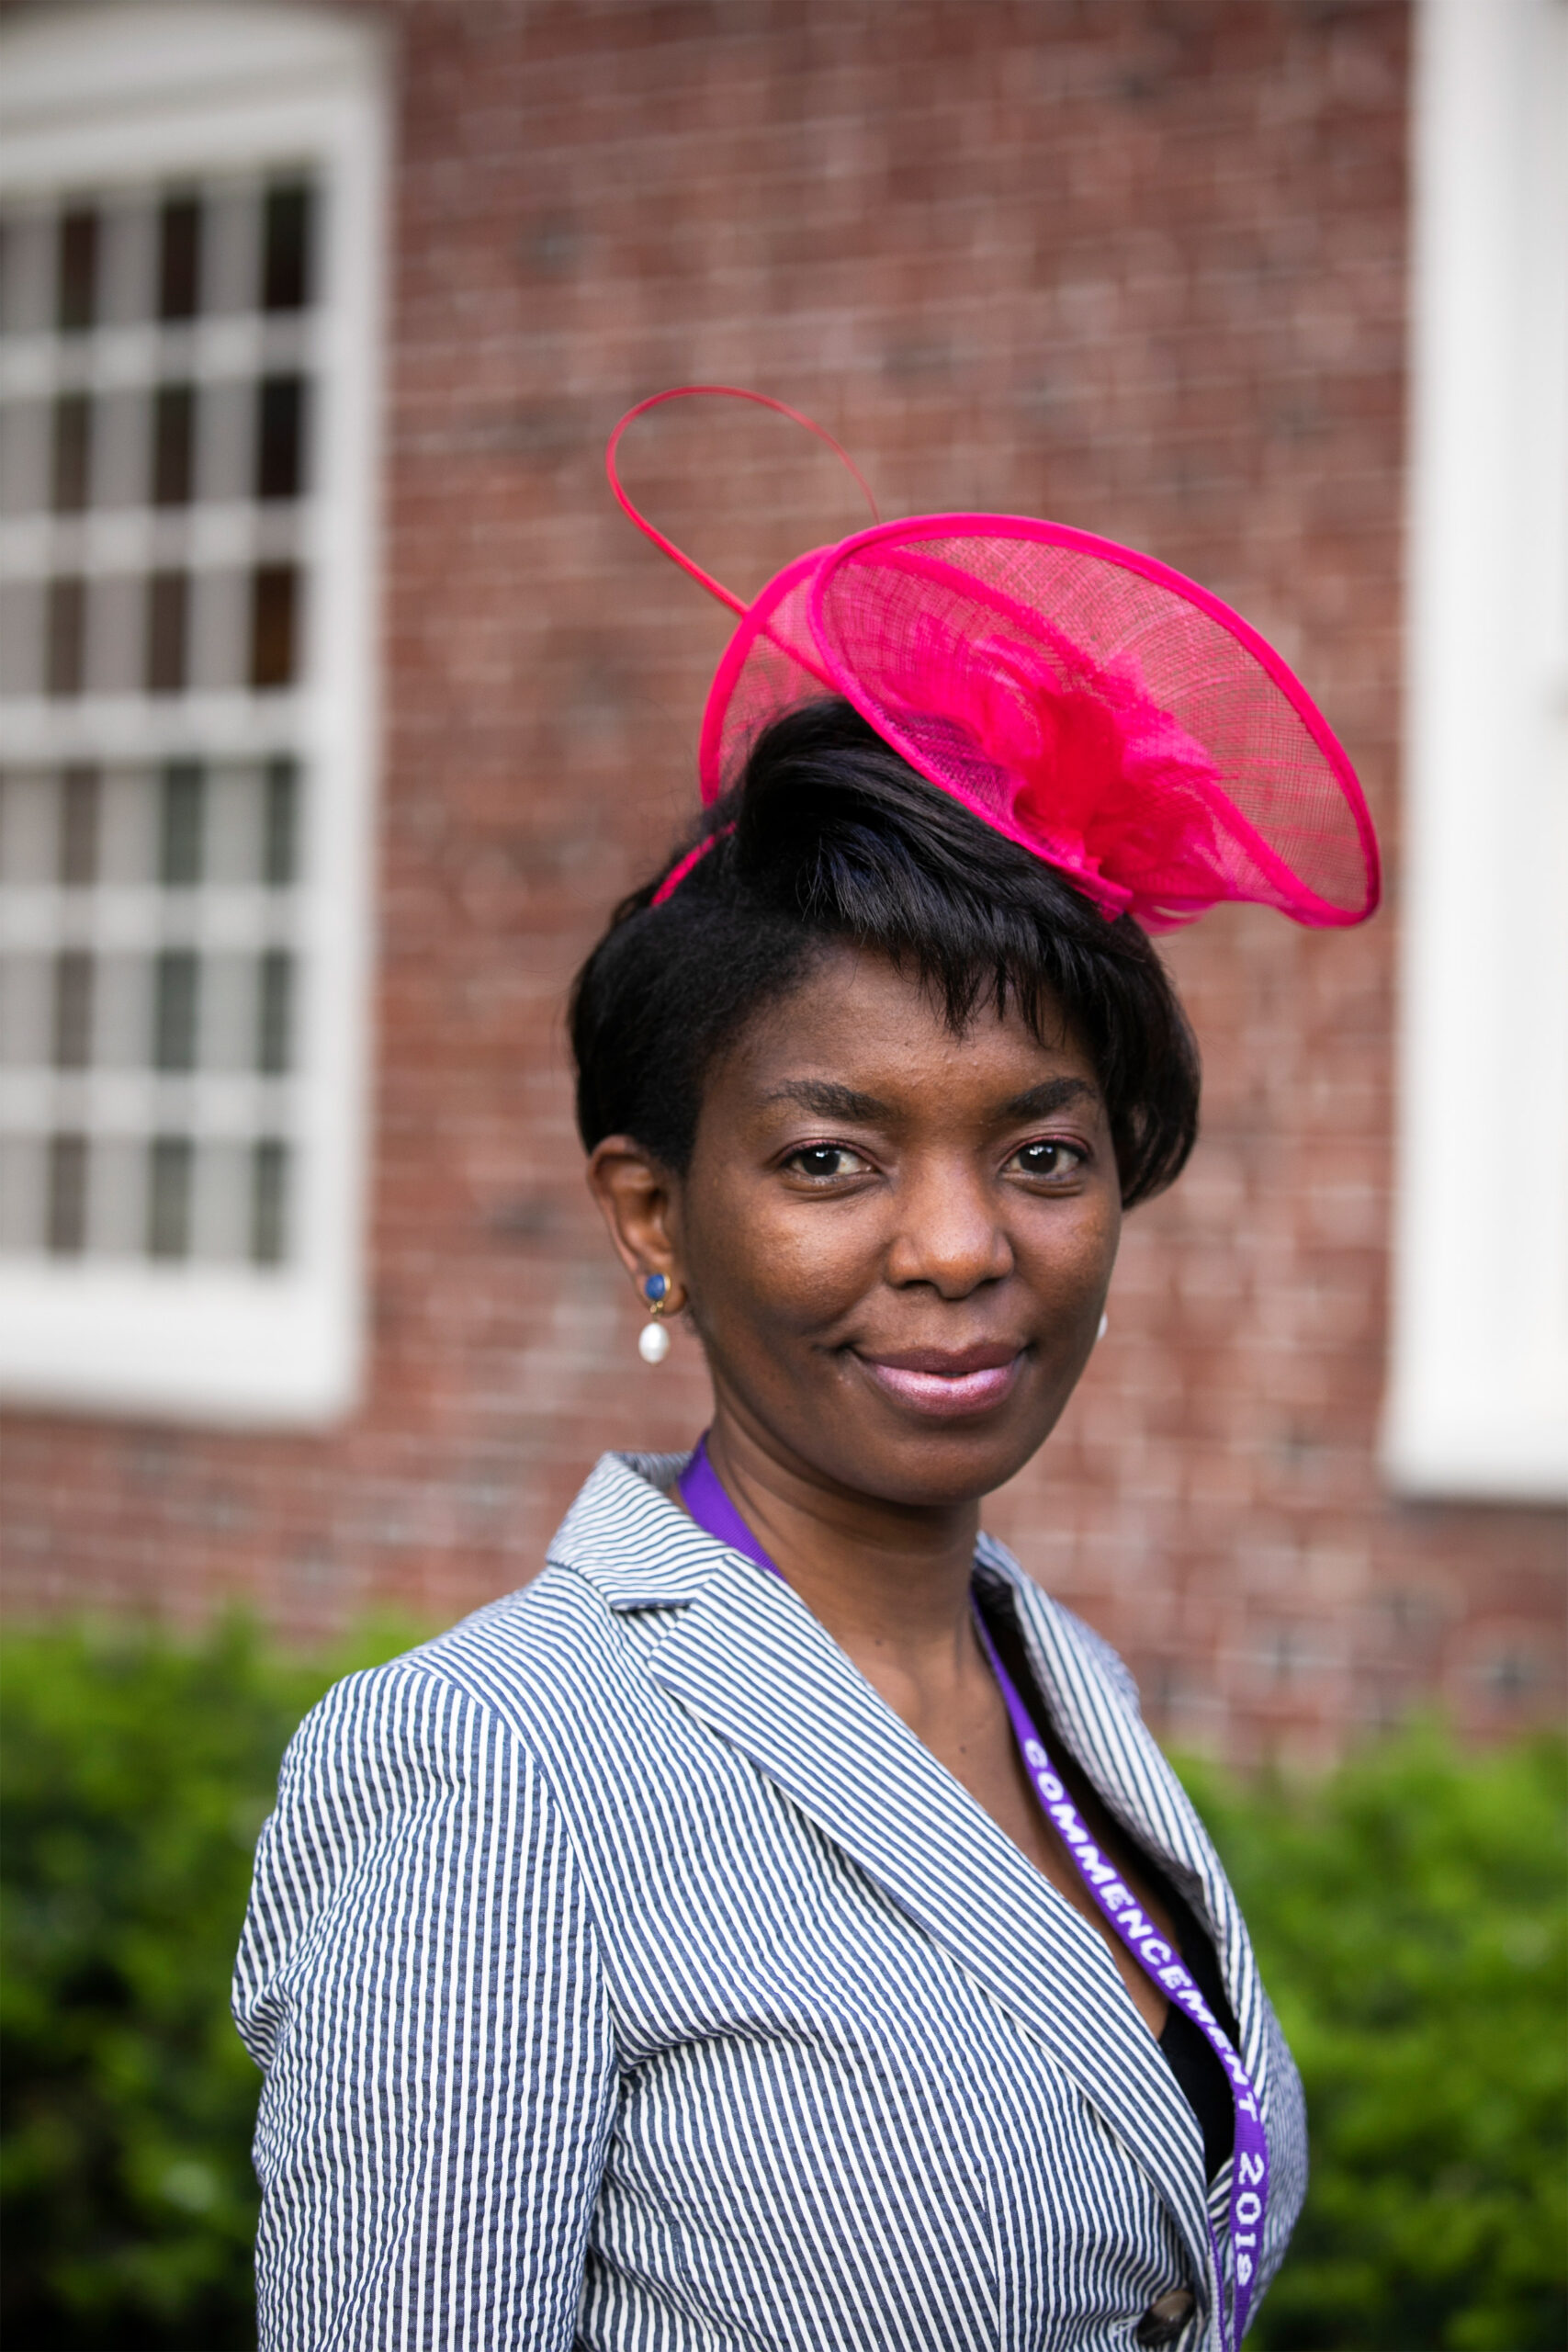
x,y
637,1200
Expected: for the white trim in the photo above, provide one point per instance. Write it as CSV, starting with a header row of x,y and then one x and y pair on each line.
x,y
188,1344
77,77
100,97
1478,1401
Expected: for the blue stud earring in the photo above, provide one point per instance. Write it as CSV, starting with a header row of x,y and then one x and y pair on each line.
x,y
653,1339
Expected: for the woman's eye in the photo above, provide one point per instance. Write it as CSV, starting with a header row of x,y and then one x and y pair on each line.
x,y
1050,1160
825,1160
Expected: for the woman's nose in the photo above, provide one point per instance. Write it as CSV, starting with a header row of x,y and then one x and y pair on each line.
x,y
948,1234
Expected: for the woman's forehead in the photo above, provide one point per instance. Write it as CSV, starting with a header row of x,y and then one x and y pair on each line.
x,y
858,1023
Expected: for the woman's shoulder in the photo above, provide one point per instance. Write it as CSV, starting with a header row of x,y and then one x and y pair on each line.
x,y
552,1631
569,1646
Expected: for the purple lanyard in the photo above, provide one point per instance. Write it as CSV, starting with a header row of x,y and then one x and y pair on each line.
x,y
709,1505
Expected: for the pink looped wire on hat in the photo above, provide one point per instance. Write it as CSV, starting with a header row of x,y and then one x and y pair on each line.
x,y
1087,701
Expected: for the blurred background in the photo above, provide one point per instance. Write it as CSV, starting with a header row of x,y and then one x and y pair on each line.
x,y
339,705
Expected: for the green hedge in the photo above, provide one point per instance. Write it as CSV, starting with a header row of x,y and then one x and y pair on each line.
x,y
1411,1917
1410,1913
134,1775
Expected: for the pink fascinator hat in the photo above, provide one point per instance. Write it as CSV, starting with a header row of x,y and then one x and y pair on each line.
x,y
1089,702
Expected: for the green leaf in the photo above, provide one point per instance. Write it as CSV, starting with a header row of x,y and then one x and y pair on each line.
x,y
1410,1914
136,1773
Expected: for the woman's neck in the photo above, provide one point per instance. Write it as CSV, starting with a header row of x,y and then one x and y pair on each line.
x,y
890,1583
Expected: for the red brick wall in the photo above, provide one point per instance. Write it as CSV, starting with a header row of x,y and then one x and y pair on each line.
x,y
1136,263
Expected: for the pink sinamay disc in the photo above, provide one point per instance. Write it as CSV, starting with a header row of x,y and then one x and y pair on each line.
x,y
1085,700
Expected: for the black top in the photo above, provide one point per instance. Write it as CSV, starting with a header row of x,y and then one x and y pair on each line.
x,y
1188,2050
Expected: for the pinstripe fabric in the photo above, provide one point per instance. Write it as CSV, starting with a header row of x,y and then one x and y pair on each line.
x,y
625,1973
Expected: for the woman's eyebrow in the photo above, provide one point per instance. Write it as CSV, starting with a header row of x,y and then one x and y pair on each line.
x,y
1055,1095
826,1101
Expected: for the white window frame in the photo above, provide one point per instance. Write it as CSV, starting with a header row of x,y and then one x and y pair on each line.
x,y
90,97
1478,1397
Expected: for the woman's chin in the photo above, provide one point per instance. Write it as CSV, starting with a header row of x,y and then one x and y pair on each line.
x,y
928,1463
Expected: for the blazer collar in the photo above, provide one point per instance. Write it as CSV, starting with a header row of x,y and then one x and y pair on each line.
x,y
748,1657
637,1548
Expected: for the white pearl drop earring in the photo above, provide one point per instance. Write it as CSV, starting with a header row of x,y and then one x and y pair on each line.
x,y
1104,1327
653,1339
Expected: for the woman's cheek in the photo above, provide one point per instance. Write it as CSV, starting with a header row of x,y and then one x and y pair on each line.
x,y
1065,1293
799,1268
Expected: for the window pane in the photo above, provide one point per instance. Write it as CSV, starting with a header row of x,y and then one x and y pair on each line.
x,y
168,1197
280,438
274,1010
174,1010
65,654
72,452
26,443
282,819
122,444
26,1011
231,1010
77,299
29,826
117,628
179,257
232,263
226,451
124,987
232,846
274,621
72,1009
28,271
268,1202
24,1193
117,1208
130,820
174,444
79,827
11,268
286,248
128,295
66,1205
168,617
183,824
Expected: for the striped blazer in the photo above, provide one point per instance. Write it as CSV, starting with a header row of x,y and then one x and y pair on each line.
x,y
625,1973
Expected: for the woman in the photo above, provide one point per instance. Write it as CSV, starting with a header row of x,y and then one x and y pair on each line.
x,y
775,1925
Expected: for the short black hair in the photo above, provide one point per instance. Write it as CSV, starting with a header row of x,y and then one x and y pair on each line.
x,y
829,838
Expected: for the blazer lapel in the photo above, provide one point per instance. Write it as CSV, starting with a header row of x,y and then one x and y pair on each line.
x,y
1102,1726
749,1658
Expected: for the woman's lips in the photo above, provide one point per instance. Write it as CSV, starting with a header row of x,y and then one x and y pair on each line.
x,y
946,1387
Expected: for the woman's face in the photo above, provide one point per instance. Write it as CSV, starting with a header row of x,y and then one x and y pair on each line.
x,y
896,1241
